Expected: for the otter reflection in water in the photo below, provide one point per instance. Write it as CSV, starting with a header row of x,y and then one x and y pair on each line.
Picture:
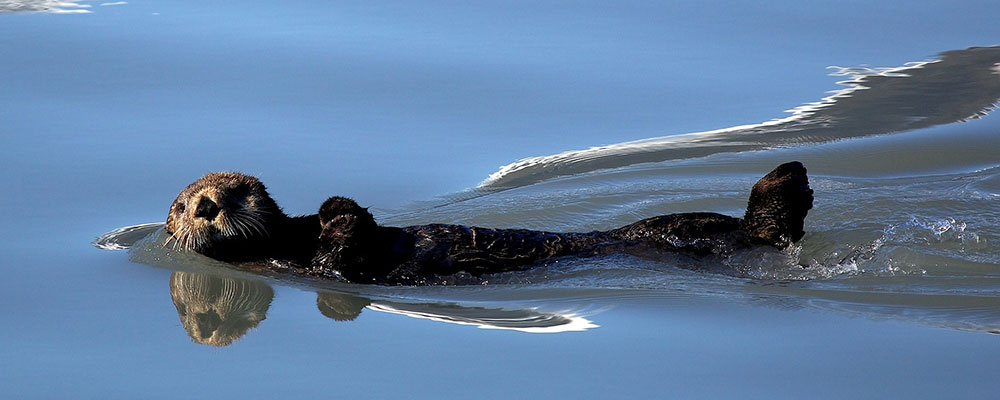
x,y
217,311
231,217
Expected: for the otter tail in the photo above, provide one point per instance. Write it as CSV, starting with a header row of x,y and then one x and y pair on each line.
x,y
778,206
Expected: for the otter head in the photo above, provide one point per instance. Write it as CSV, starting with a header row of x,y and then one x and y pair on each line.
x,y
224,215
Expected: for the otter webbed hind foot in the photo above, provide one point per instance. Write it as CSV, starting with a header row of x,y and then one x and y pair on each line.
x,y
778,206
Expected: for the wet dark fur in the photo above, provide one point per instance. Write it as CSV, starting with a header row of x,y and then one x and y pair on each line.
x,y
343,241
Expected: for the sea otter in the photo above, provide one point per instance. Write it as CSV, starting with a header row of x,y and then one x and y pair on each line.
x,y
230,217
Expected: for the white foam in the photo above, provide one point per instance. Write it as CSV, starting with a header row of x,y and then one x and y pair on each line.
x,y
574,322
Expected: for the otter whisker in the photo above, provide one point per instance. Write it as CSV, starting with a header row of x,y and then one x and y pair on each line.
x,y
259,221
258,226
248,228
168,240
254,221
176,244
256,216
185,239
201,238
238,224
228,229
191,238
242,228
178,237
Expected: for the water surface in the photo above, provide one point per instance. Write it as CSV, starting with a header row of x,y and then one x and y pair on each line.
x,y
552,116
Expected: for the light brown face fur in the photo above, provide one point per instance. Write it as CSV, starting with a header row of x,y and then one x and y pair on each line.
x,y
222,213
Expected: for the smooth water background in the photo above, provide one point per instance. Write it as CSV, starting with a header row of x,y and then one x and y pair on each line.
x,y
105,116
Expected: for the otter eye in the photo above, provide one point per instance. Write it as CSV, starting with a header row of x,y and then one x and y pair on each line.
x,y
232,197
239,191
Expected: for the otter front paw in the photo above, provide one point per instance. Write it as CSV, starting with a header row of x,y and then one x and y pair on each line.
x,y
344,243
337,206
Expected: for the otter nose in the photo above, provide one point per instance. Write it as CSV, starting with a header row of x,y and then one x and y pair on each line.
x,y
207,209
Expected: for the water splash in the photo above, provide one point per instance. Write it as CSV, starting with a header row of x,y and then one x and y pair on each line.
x,y
945,236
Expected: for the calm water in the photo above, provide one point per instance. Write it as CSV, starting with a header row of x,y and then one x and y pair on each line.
x,y
557,116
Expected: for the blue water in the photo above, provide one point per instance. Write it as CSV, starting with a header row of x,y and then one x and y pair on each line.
x,y
410,108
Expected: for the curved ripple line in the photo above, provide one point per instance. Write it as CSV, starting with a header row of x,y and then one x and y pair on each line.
x,y
957,86
528,321
125,237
